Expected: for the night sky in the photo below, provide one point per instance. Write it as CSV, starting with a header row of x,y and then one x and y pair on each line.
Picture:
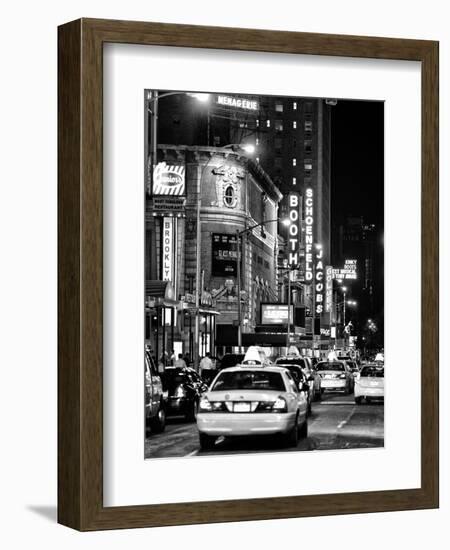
x,y
358,161
357,178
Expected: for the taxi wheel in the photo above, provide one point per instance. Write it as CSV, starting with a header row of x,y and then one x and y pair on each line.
x,y
206,441
292,435
158,424
304,430
358,400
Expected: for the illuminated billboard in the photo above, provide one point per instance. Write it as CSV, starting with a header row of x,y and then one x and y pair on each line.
x,y
276,314
168,179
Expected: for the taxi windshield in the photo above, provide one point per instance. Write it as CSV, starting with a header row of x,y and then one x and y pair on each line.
x,y
330,366
372,372
249,380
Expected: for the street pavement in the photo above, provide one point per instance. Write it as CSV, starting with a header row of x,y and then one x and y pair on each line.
x,y
336,422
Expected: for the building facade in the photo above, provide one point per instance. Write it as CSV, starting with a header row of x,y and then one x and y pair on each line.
x,y
226,193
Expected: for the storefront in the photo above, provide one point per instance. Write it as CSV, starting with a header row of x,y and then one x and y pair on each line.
x,y
161,311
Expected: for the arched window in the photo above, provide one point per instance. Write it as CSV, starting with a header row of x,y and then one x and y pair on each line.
x,y
229,196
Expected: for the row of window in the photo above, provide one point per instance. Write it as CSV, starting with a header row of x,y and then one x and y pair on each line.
x,y
279,125
279,107
259,260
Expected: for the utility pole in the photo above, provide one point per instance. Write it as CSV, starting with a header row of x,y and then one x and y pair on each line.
x,y
238,276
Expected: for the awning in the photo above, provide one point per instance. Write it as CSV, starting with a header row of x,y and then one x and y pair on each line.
x,y
227,335
160,294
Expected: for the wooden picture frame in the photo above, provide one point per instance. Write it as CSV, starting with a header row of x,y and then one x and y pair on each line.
x,y
80,272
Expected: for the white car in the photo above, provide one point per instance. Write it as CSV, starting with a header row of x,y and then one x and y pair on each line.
x,y
369,384
253,400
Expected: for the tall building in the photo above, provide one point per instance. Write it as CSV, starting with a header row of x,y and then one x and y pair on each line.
x,y
226,193
356,239
291,136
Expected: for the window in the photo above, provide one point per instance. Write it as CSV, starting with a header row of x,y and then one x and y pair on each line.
x,y
294,162
229,197
257,159
294,124
266,264
308,146
308,125
257,141
257,122
294,181
249,380
308,164
294,105
268,123
278,144
278,162
279,125
279,107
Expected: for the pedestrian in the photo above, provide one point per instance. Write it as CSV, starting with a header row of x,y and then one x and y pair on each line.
x,y
180,362
207,368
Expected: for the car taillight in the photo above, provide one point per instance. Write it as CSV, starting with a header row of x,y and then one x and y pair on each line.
x,y
204,405
342,376
279,405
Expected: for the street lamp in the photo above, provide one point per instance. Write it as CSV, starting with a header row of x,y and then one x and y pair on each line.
x,y
153,98
288,270
239,234
247,147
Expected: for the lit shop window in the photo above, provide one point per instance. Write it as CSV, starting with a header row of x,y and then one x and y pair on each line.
x,y
294,124
294,181
294,105
268,123
279,125
294,162
279,107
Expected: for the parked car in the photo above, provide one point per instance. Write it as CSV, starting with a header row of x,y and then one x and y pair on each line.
x,y
155,409
295,364
253,399
335,375
184,388
369,384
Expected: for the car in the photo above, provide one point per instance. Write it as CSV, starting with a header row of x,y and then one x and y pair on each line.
x,y
230,360
184,388
155,406
369,384
295,363
335,375
253,400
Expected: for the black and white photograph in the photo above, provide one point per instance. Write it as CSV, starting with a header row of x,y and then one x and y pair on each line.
x,y
264,273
